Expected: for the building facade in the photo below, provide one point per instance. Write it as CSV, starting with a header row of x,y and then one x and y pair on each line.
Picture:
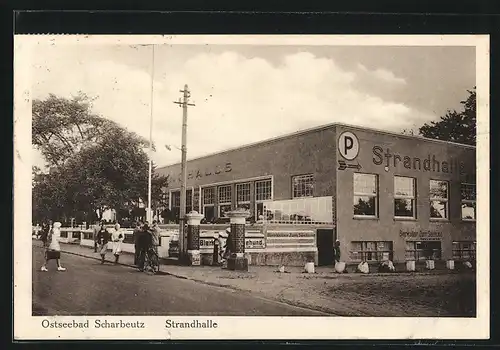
x,y
382,195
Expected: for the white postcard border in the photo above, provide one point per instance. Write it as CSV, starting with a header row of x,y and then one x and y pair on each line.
x,y
27,326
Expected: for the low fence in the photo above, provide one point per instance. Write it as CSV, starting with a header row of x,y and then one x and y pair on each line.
x,y
264,244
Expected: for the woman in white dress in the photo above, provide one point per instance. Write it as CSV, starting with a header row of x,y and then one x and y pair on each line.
x,y
53,251
117,238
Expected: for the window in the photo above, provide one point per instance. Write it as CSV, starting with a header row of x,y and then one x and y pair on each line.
x,y
189,200
208,196
225,196
176,199
404,197
426,250
303,185
365,195
196,199
468,194
464,251
371,251
243,195
439,199
263,190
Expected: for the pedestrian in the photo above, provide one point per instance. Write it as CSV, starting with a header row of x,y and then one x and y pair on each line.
x,y
53,251
103,237
117,238
97,228
336,251
144,242
46,227
155,236
136,235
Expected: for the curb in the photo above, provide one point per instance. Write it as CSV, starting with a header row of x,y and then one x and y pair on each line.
x,y
214,284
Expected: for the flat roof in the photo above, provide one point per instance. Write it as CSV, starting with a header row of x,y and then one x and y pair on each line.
x,y
320,128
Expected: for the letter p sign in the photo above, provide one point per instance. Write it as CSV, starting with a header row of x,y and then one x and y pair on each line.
x,y
348,145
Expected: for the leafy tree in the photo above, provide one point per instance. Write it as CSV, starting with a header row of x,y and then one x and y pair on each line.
x,y
455,126
61,127
95,164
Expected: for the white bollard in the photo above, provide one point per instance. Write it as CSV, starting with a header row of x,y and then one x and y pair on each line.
x,y
410,265
450,264
429,264
309,268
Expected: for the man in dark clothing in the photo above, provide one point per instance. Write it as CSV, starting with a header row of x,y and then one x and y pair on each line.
x,y
97,228
45,232
144,242
137,233
103,237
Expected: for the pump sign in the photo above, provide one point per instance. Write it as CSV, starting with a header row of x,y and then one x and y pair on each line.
x,y
348,145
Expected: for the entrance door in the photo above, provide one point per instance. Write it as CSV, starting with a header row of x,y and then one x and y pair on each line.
x,y
324,241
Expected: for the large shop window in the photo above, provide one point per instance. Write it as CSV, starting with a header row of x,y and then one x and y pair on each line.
x,y
263,192
426,250
468,193
404,197
303,185
464,251
371,251
438,199
225,195
365,195
243,196
208,200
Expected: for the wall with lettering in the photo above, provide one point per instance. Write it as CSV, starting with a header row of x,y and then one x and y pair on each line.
x,y
295,155
388,155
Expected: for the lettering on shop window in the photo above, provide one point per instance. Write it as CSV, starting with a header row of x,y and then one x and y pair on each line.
x,y
421,235
431,163
198,174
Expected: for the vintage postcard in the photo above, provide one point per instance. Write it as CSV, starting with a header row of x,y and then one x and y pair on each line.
x,y
251,187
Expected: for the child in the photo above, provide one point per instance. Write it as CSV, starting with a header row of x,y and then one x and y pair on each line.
x,y
53,251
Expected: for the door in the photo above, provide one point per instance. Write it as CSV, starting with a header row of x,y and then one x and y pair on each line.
x,y
324,242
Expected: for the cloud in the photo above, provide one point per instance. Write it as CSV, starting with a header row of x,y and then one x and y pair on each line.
x,y
239,100
382,74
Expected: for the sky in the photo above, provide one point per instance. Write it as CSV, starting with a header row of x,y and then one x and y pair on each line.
x,y
245,94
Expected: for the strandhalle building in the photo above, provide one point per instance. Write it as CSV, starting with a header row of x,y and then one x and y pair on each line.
x,y
382,195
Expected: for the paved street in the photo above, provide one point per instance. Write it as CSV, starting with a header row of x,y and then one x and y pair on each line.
x,y
88,288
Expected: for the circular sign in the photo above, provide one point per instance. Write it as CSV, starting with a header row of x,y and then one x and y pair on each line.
x,y
348,145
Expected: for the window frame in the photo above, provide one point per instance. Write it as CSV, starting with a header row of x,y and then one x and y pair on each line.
x,y
313,182
419,254
440,199
363,194
472,250
413,198
227,203
364,251
468,201
257,200
237,187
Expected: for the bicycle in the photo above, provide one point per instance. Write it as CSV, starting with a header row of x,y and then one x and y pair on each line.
x,y
151,261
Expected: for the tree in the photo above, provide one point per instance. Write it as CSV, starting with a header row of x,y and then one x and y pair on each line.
x,y
61,127
95,164
455,126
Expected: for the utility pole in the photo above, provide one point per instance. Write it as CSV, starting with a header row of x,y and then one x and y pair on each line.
x,y
149,217
184,103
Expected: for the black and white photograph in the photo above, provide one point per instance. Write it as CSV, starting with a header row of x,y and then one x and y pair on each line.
x,y
218,186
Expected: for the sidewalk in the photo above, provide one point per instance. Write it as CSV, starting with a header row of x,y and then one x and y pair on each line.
x,y
405,294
